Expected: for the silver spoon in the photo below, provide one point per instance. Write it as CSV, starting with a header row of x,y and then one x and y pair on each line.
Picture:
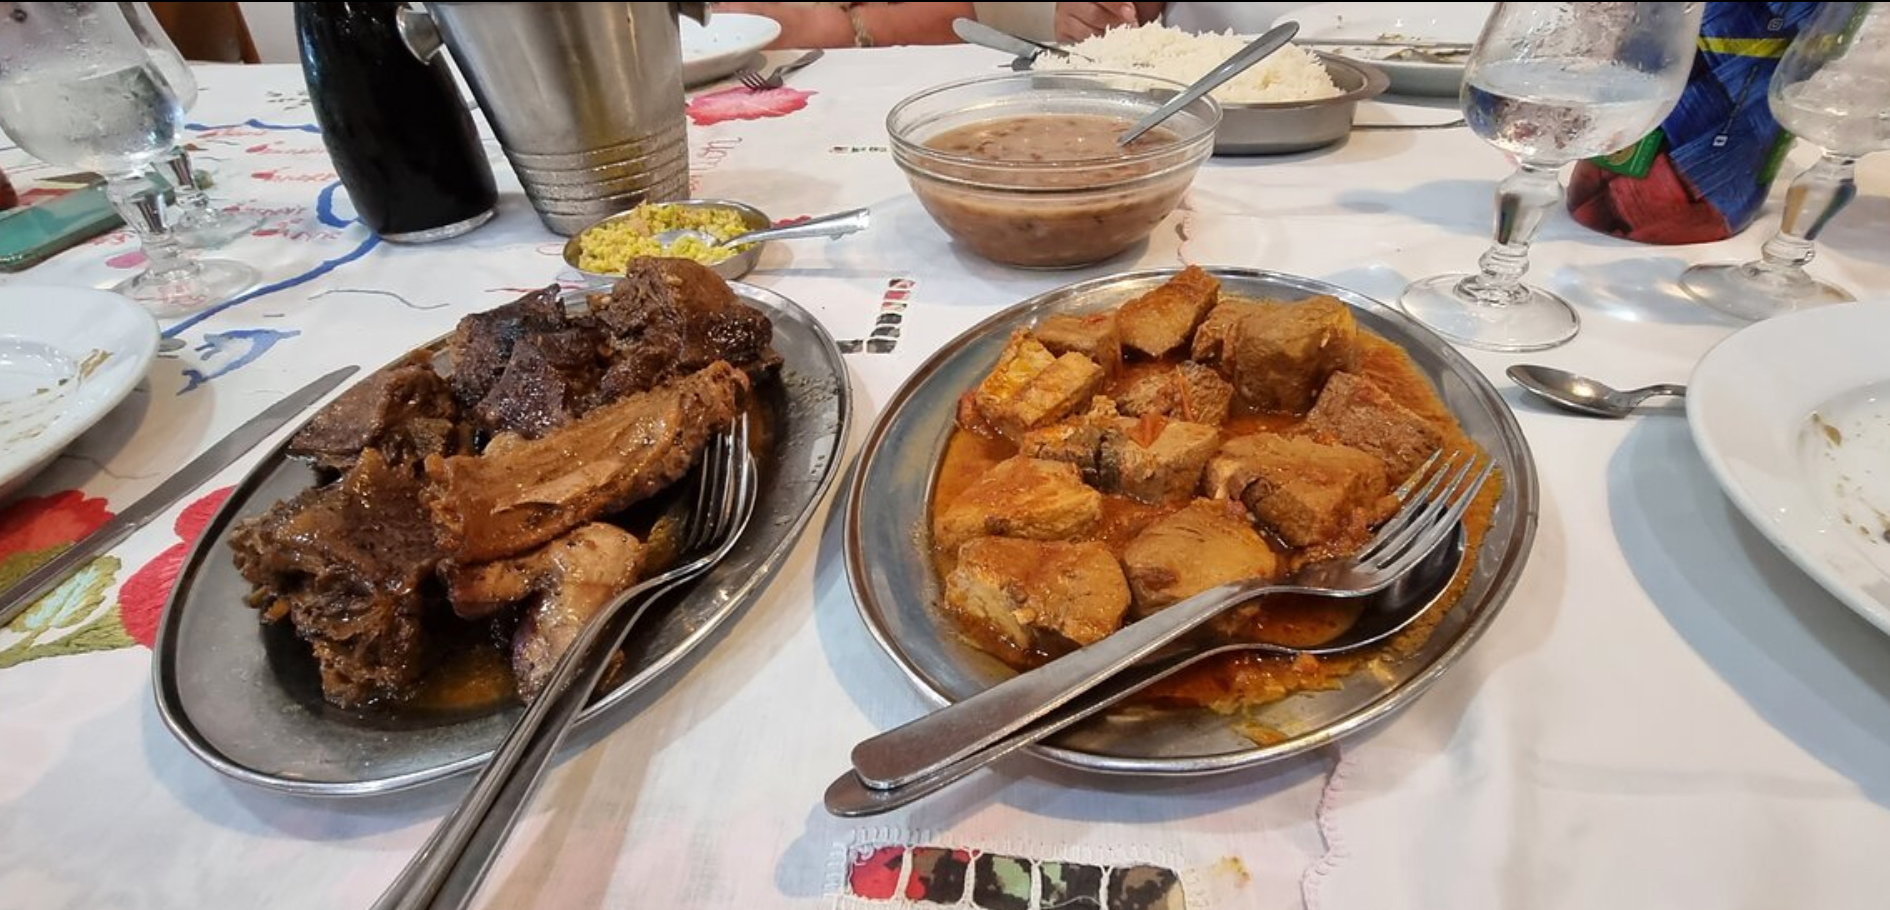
x,y
837,225
1582,395
1261,48
1384,614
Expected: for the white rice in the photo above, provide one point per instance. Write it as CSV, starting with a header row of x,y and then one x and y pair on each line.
x,y
1291,74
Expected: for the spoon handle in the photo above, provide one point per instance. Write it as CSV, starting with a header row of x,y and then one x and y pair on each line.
x,y
1263,46
837,225
850,797
1666,388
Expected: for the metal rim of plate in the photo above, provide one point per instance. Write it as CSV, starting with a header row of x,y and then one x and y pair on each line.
x,y
944,668
813,374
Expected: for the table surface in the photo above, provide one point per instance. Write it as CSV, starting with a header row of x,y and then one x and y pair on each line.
x,y
1666,714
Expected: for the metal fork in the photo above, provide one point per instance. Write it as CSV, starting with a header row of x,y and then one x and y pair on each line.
x,y
449,867
756,82
949,735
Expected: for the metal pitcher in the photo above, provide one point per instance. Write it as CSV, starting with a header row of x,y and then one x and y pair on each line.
x,y
586,98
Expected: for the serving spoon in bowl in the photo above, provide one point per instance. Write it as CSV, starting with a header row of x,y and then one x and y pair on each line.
x,y
1577,393
839,224
1259,49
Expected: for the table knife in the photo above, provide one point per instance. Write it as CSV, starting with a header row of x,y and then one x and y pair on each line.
x,y
195,474
975,32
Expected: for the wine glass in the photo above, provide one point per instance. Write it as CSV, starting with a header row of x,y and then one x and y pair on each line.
x,y
1831,89
198,223
77,89
1551,83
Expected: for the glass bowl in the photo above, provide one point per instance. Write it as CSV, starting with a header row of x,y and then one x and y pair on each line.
x,y
1080,203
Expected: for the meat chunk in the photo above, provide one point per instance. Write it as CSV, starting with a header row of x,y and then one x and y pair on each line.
x,y
1188,392
1039,595
1163,320
347,564
672,317
568,580
1020,497
482,343
1154,459
1077,440
1278,355
1093,336
1354,411
503,504
1031,388
1206,544
405,410
1305,492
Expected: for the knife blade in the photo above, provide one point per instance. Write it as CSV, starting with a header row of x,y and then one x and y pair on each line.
x,y
975,32
193,475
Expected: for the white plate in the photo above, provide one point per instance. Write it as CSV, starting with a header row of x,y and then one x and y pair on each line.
x,y
1398,22
712,51
1793,418
67,357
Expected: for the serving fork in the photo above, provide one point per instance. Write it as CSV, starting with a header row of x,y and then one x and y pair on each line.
x,y
756,82
449,867
1439,493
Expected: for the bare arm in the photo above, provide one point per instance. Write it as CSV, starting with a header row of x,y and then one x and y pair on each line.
x,y
1076,21
833,25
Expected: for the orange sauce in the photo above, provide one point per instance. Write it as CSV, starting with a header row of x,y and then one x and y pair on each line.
x,y
1234,682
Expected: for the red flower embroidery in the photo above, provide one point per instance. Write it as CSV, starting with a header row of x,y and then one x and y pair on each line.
x,y
738,103
39,522
141,600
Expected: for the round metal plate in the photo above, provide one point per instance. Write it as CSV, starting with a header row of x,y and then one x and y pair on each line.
x,y
896,587
242,696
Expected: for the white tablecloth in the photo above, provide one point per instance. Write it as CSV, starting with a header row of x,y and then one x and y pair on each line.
x,y
1666,713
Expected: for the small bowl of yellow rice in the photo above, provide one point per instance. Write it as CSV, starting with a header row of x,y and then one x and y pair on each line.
x,y
605,249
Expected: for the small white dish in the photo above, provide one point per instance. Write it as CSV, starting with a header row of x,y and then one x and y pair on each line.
x,y
1416,23
1793,418
67,357
712,51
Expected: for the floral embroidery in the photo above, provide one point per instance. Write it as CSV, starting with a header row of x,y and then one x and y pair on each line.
x,y
141,600
738,103
68,619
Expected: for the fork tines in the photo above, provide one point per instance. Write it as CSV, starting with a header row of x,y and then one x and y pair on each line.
x,y
754,81
1435,498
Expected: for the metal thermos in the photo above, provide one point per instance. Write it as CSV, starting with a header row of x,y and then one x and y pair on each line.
x,y
586,98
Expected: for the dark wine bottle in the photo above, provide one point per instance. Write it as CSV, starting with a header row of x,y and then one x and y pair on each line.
x,y
402,141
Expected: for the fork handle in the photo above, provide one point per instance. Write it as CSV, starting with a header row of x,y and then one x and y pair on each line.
x,y
447,870
800,63
946,736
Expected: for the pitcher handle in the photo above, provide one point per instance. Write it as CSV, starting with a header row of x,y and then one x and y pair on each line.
x,y
418,31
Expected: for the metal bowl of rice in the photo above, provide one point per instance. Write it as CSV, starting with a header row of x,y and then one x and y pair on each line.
x,y
605,248
1293,101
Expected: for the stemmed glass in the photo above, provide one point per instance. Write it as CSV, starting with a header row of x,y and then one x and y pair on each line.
x,y
1551,83
1832,89
77,89
198,223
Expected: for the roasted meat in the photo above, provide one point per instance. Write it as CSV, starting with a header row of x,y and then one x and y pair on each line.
x,y
1163,320
672,317
1029,388
1205,544
405,410
1020,497
506,503
1041,595
1077,440
1306,492
527,367
1354,411
1278,355
568,581
482,343
350,565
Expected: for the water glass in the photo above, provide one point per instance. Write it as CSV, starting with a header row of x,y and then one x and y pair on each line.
x,y
1551,83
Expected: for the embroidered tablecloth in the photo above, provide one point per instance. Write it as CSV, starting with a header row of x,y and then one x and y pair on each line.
x,y
1666,714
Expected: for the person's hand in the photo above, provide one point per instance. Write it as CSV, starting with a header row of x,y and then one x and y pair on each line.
x,y
1076,21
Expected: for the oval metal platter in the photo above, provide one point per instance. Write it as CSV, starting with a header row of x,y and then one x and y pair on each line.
x,y
243,696
897,589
